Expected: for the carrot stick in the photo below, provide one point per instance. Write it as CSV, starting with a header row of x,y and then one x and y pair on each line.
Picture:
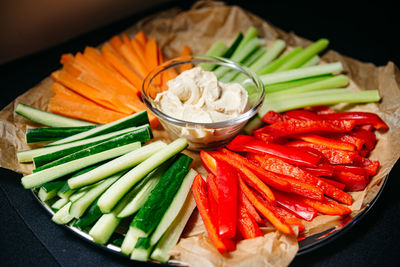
x,y
139,50
92,113
94,55
185,52
126,40
65,58
116,43
141,37
63,92
135,61
151,53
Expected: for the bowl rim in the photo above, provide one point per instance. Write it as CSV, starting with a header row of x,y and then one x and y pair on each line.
x,y
252,78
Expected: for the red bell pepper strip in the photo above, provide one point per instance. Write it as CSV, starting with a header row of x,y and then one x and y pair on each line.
x,y
208,162
227,199
212,194
249,207
269,138
267,177
370,165
353,182
360,118
301,114
299,209
244,143
323,169
347,138
271,117
304,189
327,206
334,183
368,137
320,110
247,174
289,218
280,167
200,195
334,156
366,127
246,224
292,127
351,168
320,140
265,209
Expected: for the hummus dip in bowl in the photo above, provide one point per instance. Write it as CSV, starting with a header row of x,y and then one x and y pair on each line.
x,y
208,108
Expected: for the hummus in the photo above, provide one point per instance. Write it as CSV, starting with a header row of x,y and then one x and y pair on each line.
x,y
197,96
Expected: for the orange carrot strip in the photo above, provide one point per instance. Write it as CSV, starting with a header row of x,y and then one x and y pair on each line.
x,y
151,53
185,52
63,92
126,40
141,37
92,113
116,43
66,58
94,55
139,50
135,61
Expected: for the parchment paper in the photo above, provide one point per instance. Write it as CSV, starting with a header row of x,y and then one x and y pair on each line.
x,y
199,28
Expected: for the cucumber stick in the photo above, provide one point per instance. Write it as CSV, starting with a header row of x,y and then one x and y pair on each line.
x,y
142,249
29,155
92,214
153,211
79,207
171,236
44,195
62,216
174,207
113,194
118,141
47,118
116,165
39,135
59,203
137,119
130,240
50,174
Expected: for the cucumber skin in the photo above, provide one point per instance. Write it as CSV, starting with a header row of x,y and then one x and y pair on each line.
x,y
162,195
141,134
37,135
92,214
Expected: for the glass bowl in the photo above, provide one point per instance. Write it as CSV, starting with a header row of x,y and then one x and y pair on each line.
x,y
203,135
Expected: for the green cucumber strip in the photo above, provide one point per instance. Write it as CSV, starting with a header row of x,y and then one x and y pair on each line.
x,y
92,214
321,98
129,242
134,120
274,65
253,124
277,47
98,148
305,55
144,188
103,228
124,162
48,160
47,118
142,249
59,203
148,217
216,50
328,83
50,174
39,135
295,74
28,155
66,194
77,195
62,216
44,195
171,236
79,207
271,88
53,186
231,49
174,208
311,62
113,194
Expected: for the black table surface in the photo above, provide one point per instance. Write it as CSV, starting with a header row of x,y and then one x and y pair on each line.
x,y
367,33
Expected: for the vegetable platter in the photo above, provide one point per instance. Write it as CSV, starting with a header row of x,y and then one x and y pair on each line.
x,y
383,79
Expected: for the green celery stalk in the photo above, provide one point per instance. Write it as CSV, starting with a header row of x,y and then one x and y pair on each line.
x,y
276,87
277,47
216,50
311,62
305,55
274,65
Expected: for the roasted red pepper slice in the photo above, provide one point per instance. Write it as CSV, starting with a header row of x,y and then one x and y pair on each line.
x,y
227,199
331,143
360,118
353,182
334,156
299,209
249,207
327,206
265,209
200,195
267,177
246,224
247,174
323,169
295,126
280,167
334,183
246,143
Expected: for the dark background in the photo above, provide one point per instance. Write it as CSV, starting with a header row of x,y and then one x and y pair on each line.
x,y
364,32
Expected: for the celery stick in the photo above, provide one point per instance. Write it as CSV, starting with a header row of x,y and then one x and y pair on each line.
x,y
311,62
295,74
232,48
327,97
251,34
274,65
216,50
271,88
277,47
305,55
328,83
